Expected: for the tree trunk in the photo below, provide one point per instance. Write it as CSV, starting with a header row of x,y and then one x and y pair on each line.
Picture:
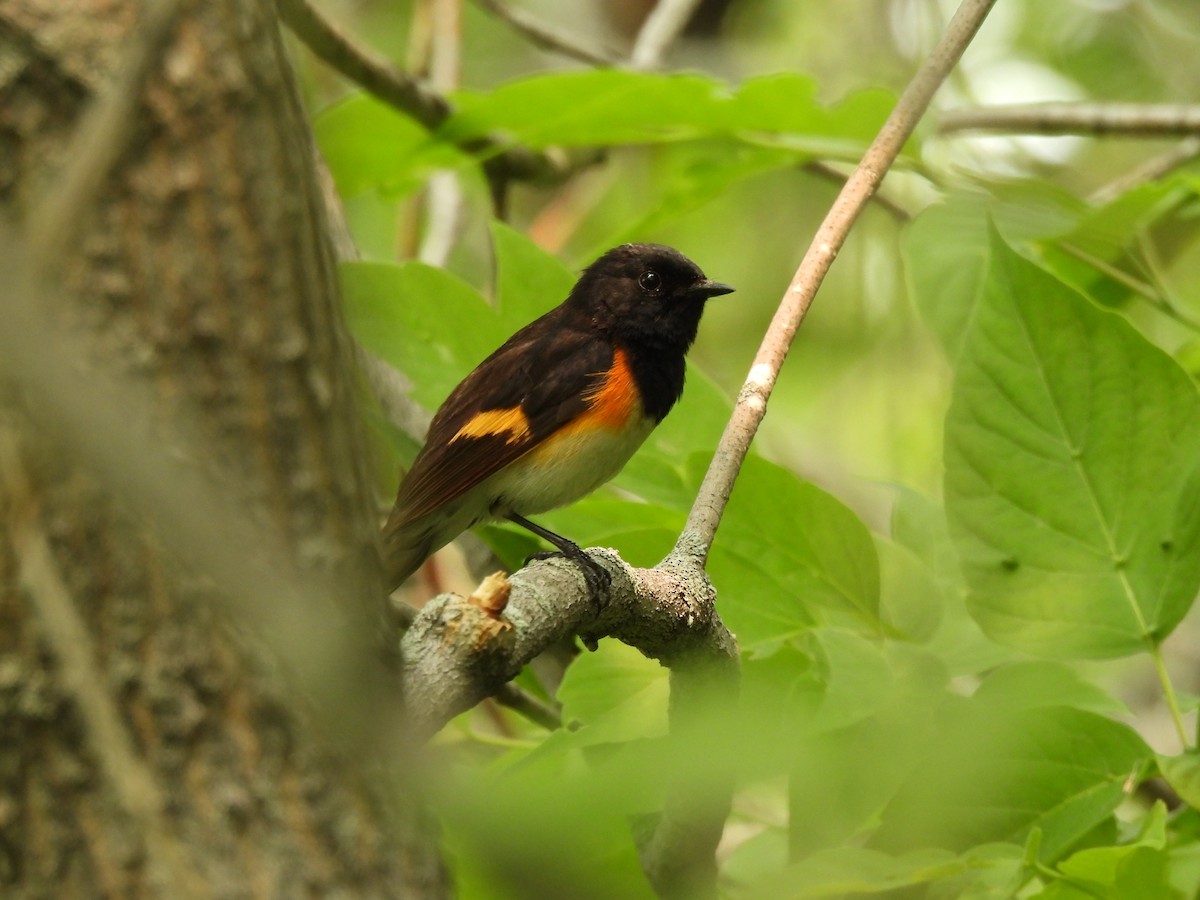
x,y
149,747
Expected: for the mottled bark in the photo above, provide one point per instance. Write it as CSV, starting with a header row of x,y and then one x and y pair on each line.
x,y
150,746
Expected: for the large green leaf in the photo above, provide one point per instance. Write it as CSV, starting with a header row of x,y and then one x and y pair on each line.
x,y
994,772
529,281
429,324
367,143
613,106
814,546
1071,448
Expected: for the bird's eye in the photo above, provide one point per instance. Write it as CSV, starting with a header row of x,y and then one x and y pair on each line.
x,y
650,280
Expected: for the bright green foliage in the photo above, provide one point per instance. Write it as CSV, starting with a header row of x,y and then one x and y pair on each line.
x,y
915,721
614,107
1070,450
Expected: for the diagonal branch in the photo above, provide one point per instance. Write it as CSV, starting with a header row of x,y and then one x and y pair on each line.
x,y
548,37
503,162
664,24
751,404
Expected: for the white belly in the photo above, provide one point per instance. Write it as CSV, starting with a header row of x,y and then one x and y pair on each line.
x,y
572,466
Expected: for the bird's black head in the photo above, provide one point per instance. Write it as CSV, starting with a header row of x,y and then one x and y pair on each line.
x,y
646,295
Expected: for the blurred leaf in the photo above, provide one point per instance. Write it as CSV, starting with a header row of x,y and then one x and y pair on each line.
x,y
615,693
612,106
994,772
367,143
1183,774
690,175
529,281
1070,449
427,323
947,260
850,870
1024,685
910,601
919,525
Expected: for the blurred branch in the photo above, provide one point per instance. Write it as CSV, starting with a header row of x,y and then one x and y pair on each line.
x,y
502,161
664,24
1112,119
457,653
751,404
548,37
529,706
831,173
372,72
1149,171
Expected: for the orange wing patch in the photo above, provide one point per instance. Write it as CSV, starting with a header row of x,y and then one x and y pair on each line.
x,y
511,421
613,400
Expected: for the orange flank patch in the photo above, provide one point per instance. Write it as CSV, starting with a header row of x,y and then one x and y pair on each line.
x,y
509,421
613,400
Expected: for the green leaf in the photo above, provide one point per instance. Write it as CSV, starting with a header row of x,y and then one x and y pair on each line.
x,y
367,143
839,871
613,106
947,258
993,773
1183,774
615,693
529,281
1133,871
909,598
817,549
1033,683
427,323
1071,447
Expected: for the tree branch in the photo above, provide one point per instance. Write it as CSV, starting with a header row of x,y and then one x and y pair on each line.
x,y
548,37
502,161
664,24
1111,119
751,404
1150,170
457,653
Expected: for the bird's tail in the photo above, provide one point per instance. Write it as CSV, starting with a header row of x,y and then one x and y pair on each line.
x,y
408,543
405,547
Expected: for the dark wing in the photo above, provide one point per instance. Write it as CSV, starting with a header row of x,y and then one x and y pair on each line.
x,y
516,398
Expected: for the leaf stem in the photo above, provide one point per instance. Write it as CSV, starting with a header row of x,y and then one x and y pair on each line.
x,y
1164,679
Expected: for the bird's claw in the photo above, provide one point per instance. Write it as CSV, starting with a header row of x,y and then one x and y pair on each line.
x,y
598,578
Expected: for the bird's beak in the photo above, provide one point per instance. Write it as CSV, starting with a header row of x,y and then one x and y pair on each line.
x,y
702,290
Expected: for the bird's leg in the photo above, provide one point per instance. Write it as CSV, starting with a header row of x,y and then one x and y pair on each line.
x,y
596,576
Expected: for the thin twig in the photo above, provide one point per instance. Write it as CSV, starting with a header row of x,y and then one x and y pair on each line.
x,y
1148,171
550,38
372,72
664,24
529,706
1111,119
503,161
830,173
751,405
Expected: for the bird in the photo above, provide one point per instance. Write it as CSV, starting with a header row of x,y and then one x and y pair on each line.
x,y
557,410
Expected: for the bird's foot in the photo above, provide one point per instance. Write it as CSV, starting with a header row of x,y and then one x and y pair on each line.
x,y
598,578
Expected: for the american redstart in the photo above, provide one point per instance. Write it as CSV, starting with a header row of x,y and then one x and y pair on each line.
x,y
557,410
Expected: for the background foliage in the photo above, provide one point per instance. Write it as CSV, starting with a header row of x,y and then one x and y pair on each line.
x,y
956,565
